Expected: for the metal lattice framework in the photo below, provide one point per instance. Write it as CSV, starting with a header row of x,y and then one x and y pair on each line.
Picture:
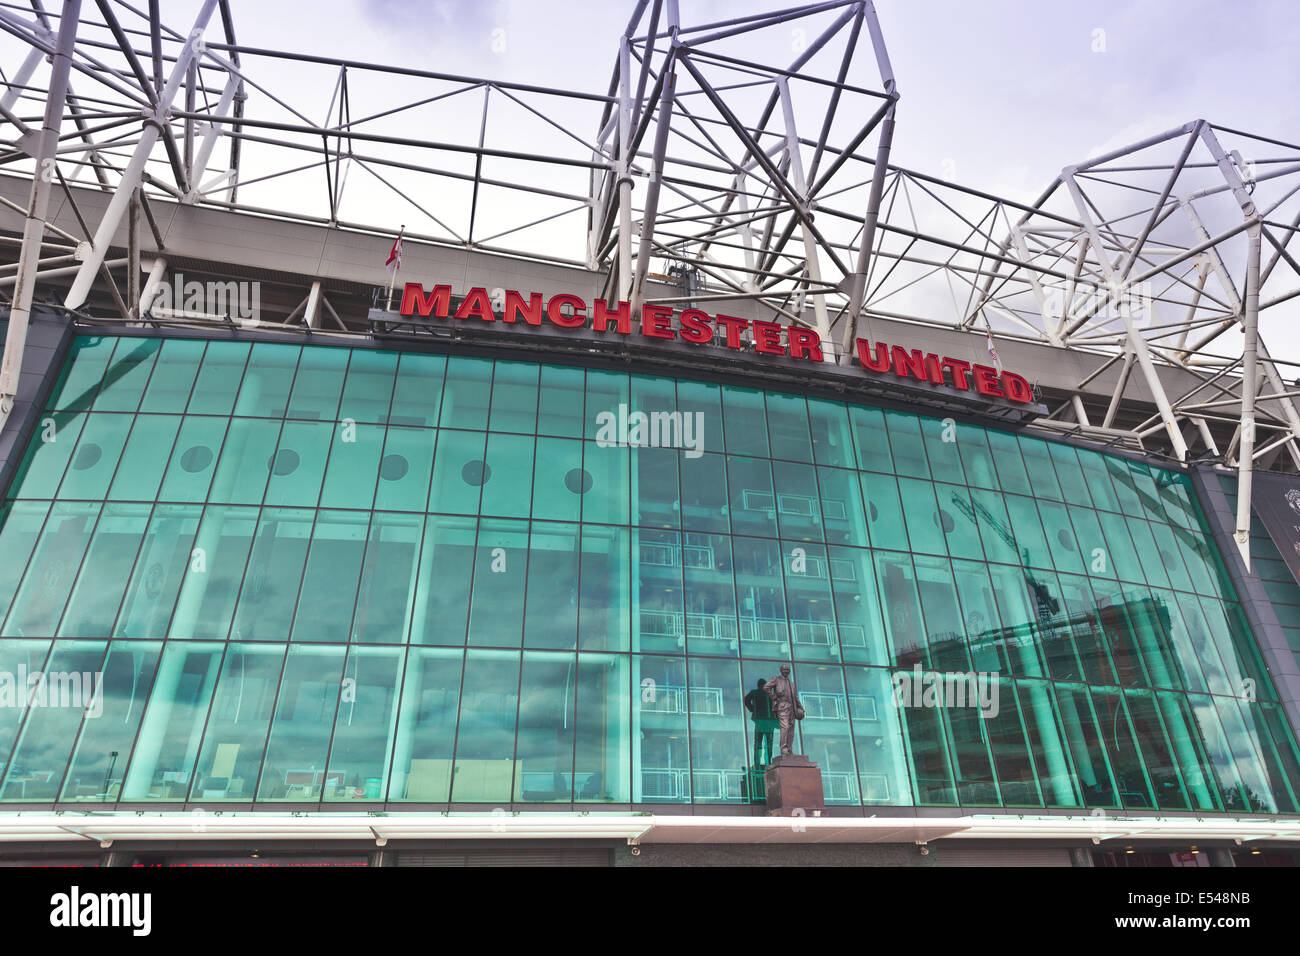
x,y
769,183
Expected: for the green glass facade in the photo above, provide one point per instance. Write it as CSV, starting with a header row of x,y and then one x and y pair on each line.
x,y
322,575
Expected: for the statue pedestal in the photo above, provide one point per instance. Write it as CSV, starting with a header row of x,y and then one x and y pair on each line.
x,y
793,783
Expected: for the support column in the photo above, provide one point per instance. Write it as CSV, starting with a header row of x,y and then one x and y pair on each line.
x,y
37,210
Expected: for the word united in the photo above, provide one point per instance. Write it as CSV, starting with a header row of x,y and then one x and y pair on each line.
x,y
568,311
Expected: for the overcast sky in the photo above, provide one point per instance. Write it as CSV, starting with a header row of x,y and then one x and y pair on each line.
x,y
996,94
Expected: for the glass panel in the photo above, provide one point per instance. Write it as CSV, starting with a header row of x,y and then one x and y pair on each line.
x,y
810,607
105,571
363,729
1011,468
798,506
388,579
38,604
368,390
100,757
977,462
270,588
514,398
907,444
902,608
661,766
329,584
267,380
960,525
831,439
162,762
861,632
607,499
655,493
744,421
705,502
496,617
1009,744
1038,465
605,592
20,528
446,569
506,488
843,517
47,456
215,573
305,711
924,529
545,739
787,427
940,435
194,455
247,459
718,751
882,767
95,458
560,410
458,472
354,464
880,494
234,740
219,378
602,761
760,598
83,371
558,479
173,376
486,765
127,375
57,706
165,555
870,439
417,391
404,469
605,392
551,608
318,383
298,466
144,459
426,726
1087,746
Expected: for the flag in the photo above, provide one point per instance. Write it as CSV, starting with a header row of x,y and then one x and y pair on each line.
x,y
997,362
394,261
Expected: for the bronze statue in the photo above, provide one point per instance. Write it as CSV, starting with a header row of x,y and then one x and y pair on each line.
x,y
786,706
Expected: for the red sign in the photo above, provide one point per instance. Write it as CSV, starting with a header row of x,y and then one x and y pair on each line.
x,y
699,328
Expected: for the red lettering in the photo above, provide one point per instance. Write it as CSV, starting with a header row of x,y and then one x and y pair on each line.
x,y
880,363
734,327
654,322
905,363
559,318
476,303
601,315
414,300
767,338
804,343
986,382
959,370
933,369
695,326
514,306
1017,388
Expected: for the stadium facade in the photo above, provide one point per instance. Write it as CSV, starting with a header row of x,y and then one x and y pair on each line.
x,y
490,573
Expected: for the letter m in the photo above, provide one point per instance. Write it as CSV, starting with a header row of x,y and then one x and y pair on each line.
x,y
415,300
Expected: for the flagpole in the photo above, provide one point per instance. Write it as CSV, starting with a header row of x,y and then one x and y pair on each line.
x,y
392,276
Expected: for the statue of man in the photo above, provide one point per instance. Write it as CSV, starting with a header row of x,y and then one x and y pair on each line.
x,y
785,706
